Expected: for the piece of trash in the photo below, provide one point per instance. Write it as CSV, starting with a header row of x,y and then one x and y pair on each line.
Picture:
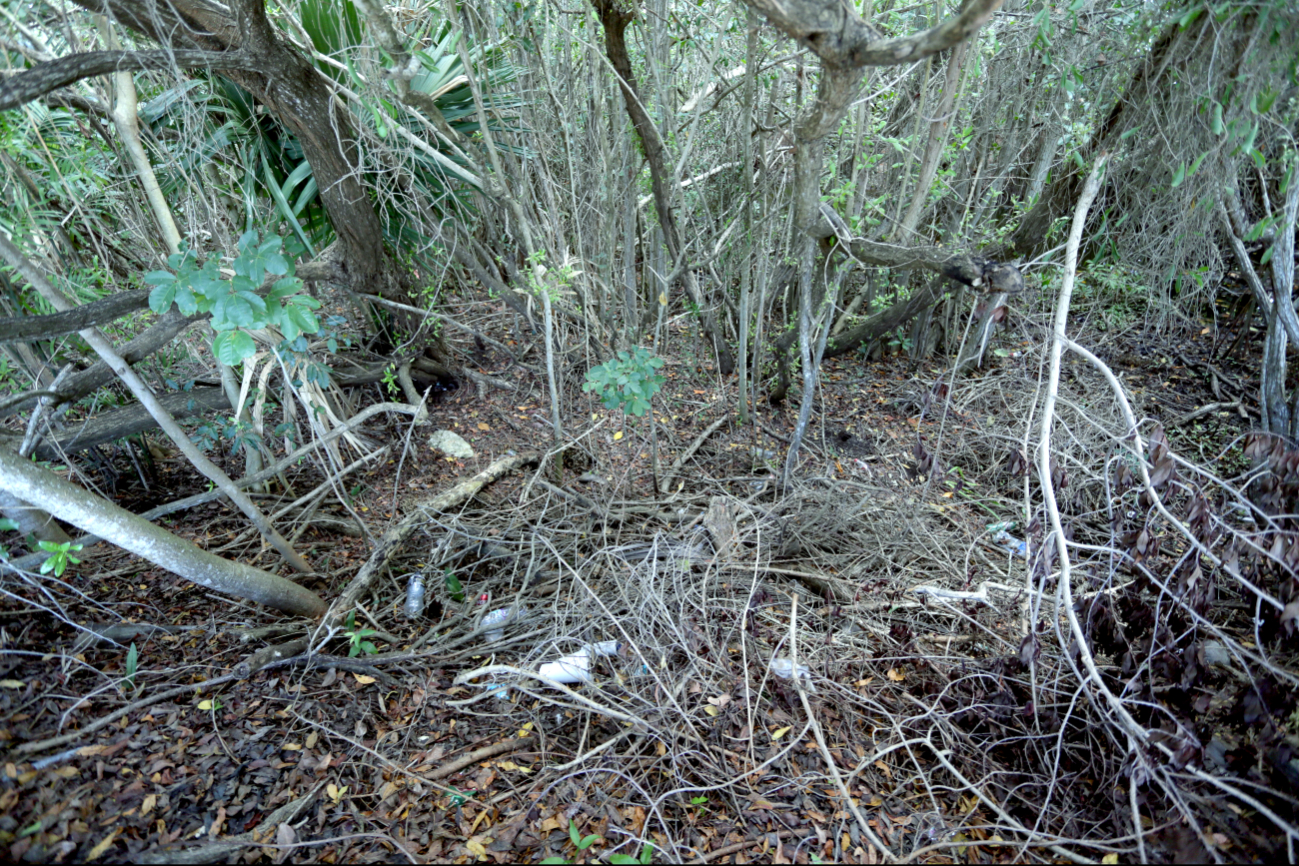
x,y
500,617
570,669
784,668
415,596
1003,526
577,667
604,648
1011,543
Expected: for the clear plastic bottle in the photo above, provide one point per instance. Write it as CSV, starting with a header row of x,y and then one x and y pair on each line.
x,y
415,596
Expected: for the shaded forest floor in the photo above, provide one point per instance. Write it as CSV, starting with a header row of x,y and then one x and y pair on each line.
x,y
685,741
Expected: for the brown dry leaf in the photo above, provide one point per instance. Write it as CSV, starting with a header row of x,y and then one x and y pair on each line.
x,y
884,768
217,823
711,710
636,817
104,845
896,675
483,427
510,765
554,822
476,847
149,802
388,789
363,679
311,739
292,747
777,734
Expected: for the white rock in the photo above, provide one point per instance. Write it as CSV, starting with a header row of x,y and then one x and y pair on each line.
x,y
450,444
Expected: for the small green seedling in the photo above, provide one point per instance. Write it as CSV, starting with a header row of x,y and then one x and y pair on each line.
x,y
356,638
60,556
580,842
132,662
646,857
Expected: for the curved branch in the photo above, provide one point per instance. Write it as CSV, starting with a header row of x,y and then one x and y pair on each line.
x,y
33,83
16,328
839,36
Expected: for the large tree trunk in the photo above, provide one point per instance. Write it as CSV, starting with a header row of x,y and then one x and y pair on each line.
x,y
291,89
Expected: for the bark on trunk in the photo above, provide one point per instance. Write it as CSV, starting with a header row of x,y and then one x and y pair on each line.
x,y
88,512
284,81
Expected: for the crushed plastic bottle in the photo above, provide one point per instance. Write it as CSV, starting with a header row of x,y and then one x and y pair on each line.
x,y
415,596
1011,543
576,668
569,669
500,617
784,668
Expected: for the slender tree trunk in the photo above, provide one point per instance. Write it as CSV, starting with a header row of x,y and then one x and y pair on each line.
x,y
615,21
938,128
746,190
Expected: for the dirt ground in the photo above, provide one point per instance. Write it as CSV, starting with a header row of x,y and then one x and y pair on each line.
x,y
336,760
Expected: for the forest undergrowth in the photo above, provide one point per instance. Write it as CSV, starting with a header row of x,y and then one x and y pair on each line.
x,y
874,664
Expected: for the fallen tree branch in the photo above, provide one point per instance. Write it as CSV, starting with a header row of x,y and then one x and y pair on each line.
x,y
394,537
689,452
222,849
80,384
131,420
35,484
34,559
103,311
104,721
20,88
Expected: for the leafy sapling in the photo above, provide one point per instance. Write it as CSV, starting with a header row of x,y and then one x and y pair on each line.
x,y
628,383
235,304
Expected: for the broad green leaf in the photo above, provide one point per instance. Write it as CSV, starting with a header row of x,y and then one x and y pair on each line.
x,y
159,278
303,318
160,299
231,347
